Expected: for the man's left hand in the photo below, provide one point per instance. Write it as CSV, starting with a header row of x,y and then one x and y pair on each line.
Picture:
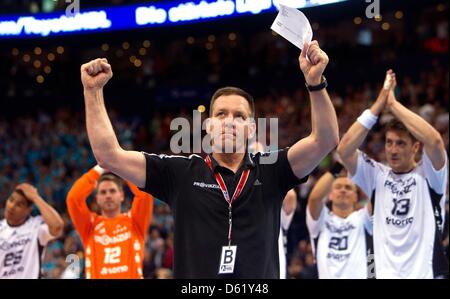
x,y
314,68
30,191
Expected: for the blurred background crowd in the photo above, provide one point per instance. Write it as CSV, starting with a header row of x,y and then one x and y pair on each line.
x,y
161,76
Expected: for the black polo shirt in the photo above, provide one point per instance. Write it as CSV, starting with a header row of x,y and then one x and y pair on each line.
x,y
200,213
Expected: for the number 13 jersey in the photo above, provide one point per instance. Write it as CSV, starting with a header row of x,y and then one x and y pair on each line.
x,y
408,217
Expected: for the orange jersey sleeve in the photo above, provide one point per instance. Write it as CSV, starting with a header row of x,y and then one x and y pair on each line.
x,y
79,212
142,209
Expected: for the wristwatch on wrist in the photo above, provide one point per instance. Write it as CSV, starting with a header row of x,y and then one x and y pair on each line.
x,y
323,84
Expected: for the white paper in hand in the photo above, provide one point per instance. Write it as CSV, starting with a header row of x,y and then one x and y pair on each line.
x,y
293,25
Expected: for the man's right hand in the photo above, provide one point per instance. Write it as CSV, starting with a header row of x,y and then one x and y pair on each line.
x,y
95,74
380,104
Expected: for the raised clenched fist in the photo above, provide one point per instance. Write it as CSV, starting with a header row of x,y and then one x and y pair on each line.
x,y
315,66
95,74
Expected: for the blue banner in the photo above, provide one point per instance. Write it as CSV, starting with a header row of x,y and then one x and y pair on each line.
x,y
137,16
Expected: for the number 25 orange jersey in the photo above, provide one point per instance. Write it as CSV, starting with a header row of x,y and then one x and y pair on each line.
x,y
114,247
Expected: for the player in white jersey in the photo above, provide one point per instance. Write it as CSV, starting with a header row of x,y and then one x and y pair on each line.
x,y
407,197
23,237
287,213
342,236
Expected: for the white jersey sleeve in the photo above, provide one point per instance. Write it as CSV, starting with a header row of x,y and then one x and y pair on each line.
x,y
44,235
366,219
286,219
436,178
366,172
316,226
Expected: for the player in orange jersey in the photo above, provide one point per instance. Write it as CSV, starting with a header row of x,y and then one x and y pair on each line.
x,y
113,241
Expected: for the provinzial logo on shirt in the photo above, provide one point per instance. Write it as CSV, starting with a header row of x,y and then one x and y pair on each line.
x,y
7,246
400,187
339,229
204,185
106,240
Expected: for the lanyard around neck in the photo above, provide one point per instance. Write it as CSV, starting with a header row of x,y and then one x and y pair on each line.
x,y
226,195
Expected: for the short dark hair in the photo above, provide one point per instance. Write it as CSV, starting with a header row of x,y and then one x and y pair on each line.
x,y
397,126
230,90
112,178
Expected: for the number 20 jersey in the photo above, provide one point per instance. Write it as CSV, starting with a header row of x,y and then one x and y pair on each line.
x,y
342,246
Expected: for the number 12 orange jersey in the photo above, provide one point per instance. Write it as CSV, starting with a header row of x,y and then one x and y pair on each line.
x,y
114,247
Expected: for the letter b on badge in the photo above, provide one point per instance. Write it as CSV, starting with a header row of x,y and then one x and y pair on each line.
x,y
227,259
